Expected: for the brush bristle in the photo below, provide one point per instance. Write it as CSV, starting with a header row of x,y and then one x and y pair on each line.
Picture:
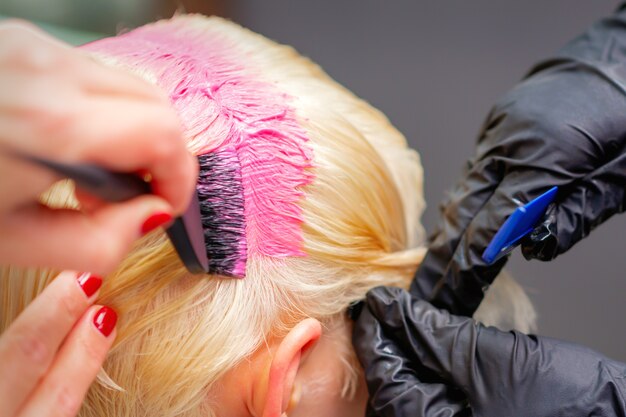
x,y
221,198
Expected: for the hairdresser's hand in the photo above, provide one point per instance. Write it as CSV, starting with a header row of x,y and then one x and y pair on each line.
x,y
52,352
57,102
564,125
421,361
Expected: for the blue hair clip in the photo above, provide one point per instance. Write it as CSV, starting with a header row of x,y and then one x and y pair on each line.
x,y
519,224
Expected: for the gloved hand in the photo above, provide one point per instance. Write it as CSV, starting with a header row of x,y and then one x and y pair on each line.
x,y
421,361
563,125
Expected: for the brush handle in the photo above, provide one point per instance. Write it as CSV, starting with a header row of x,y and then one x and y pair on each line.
x,y
107,185
186,233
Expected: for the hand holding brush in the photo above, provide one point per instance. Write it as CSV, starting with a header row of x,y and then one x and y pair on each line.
x,y
60,104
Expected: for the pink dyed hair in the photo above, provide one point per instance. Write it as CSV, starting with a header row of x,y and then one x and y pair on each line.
x,y
225,107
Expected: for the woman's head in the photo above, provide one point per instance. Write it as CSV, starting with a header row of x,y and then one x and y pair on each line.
x,y
324,197
308,194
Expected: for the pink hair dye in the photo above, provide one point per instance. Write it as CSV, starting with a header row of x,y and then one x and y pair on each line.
x,y
244,130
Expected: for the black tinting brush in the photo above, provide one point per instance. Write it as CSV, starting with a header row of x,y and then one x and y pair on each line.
x,y
186,233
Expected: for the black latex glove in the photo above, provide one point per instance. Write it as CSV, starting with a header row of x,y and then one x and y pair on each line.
x,y
421,361
564,125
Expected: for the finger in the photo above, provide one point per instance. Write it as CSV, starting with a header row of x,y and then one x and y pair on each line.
x,y
63,388
432,338
518,153
131,136
35,112
117,133
479,360
32,50
29,345
88,203
23,39
587,204
395,382
464,275
97,241
25,183
98,78
500,372
28,90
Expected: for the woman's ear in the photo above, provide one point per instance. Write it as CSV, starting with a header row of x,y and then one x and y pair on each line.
x,y
280,391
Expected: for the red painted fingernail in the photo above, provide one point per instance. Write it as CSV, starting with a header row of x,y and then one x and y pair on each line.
x,y
154,221
89,283
105,320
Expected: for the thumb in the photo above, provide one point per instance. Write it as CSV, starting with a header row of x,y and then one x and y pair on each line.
x,y
591,201
71,239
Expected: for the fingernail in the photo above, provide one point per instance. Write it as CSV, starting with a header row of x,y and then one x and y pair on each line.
x,y
154,221
105,320
89,283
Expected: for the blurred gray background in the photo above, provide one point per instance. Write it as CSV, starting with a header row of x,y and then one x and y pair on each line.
x,y
434,68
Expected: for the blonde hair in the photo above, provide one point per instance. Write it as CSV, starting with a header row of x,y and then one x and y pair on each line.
x,y
178,334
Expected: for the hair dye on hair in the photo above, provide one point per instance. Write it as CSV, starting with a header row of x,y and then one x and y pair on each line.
x,y
220,193
261,159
